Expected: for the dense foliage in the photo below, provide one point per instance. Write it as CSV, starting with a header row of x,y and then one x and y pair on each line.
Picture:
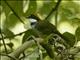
x,y
55,34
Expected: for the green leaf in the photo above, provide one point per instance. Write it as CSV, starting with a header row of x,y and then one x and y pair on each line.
x,y
29,33
46,7
10,44
31,7
77,34
33,56
11,21
70,38
44,54
8,33
17,6
75,21
77,56
68,12
5,8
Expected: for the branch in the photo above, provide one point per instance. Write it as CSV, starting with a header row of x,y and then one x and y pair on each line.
x,y
14,11
20,49
54,9
4,43
12,36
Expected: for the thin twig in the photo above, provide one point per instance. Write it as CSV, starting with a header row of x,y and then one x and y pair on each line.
x,y
53,9
4,43
8,56
14,12
13,35
56,18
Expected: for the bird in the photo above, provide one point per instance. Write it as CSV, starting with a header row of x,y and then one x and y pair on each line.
x,y
45,28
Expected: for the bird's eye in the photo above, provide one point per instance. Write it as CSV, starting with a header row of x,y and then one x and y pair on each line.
x,y
33,23
55,37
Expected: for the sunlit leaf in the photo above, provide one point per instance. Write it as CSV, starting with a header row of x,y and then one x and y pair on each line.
x,y
33,56
31,8
71,11
46,8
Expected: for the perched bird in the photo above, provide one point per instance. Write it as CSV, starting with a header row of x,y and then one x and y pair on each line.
x,y
45,28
